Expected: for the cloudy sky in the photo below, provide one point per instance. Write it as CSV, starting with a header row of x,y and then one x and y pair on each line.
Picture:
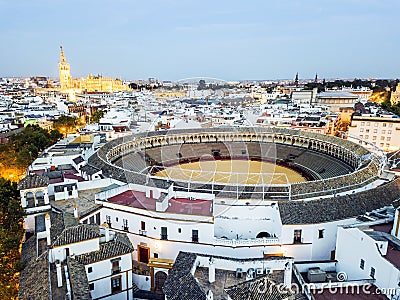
x,y
226,39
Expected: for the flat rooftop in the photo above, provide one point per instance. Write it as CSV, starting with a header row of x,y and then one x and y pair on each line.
x,y
176,205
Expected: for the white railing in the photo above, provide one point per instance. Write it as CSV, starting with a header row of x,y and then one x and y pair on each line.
x,y
247,242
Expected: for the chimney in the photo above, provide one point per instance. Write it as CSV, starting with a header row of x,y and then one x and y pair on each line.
x,y
76,216
47,223
287,279
211,271
59,274
107,232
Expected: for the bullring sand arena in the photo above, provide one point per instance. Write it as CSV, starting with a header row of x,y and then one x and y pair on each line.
x,y
232,171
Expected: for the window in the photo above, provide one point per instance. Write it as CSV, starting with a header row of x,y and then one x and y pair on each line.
x,y
361,129
321,233
389,132
372,273
390,125
115,267
195,236
243,152
384,125
297,236
164,235
90,270
361,136
362,123
375,130
91,220
382,138
91,286
142,230
375,124
388,138
116,284
367,136
368,123
179,230
374,138
116,219
383,131
125,225
366,130
155,255
108,221
362,264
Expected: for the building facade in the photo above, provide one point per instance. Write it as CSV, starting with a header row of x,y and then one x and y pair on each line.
x,y
89,84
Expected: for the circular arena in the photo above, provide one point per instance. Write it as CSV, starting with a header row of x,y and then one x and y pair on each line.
x,y
240,163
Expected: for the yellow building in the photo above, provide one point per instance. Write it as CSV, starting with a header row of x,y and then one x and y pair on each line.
x,y
395,96
89,84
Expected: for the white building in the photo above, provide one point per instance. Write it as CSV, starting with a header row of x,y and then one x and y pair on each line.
x,y
377,257
381,131
81,261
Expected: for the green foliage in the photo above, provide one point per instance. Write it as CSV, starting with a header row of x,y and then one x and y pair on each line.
x,y
96,116
11,233
24,147
66,124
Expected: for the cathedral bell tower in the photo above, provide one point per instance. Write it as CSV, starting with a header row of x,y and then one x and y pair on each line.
x,y
64,71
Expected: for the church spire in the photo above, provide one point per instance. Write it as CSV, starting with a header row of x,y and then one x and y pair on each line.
x,y
62,55
296,80
316,78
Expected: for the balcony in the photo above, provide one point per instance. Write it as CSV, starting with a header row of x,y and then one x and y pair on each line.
x,y
248,242
115,270
143,232
125,228
164,237
195,239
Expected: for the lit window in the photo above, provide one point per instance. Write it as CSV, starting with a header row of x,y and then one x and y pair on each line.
x,y
388,139
382,138
367,136
374,138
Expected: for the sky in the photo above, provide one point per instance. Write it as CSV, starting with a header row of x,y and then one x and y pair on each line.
x,y
225,39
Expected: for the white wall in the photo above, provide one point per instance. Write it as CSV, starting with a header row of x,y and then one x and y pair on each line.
x,y
349,239
59,253
142,282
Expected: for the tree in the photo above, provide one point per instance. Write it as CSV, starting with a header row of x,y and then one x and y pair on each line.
x,y
23,148
96,116
66,124
11,233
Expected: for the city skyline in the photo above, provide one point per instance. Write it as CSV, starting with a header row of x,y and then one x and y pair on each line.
x,y
229,40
